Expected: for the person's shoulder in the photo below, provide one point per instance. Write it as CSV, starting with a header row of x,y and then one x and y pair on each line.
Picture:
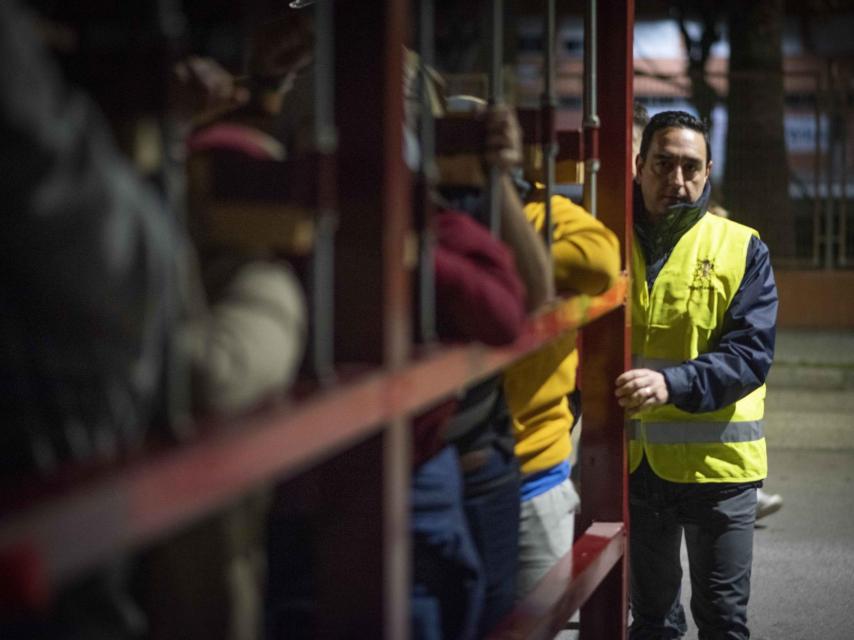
x,y
561,205
564,211
459,231
729,224
757,250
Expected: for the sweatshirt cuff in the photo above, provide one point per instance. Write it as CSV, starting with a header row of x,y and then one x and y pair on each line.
x,y
678,383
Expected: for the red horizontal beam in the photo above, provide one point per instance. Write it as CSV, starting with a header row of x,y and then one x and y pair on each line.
x,y
77,528
567,586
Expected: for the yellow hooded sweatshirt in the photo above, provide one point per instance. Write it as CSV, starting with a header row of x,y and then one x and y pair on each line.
x,y
586,260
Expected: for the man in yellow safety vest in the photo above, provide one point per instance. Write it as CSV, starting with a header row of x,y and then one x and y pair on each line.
x,y
704,307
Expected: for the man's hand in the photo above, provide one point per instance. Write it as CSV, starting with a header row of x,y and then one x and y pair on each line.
x,y
639,389
503,138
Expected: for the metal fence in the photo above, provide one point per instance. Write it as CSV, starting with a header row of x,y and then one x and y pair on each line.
x,y
816,119
814,223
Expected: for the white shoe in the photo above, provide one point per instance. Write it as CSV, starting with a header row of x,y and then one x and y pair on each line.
x,y
767,503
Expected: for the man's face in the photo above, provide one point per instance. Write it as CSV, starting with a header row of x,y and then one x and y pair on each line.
x,y
674,171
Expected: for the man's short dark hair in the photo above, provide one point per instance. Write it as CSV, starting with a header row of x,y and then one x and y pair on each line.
x,y
678,120
640,116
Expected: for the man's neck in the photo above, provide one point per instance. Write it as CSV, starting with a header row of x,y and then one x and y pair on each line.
x,y
653,218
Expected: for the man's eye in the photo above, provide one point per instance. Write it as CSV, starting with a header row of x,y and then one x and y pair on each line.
x,y
690,169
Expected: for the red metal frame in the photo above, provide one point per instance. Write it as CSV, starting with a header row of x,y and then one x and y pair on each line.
x,y
594,575
372,315
74,531
355,434
566,586
607,344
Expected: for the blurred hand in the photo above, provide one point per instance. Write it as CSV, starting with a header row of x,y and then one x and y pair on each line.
x,y
202,90
503,138
639,389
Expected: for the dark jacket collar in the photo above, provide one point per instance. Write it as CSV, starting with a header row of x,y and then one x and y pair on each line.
x,y
658,239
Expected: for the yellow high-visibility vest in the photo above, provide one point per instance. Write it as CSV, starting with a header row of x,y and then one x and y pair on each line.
x,y
680,319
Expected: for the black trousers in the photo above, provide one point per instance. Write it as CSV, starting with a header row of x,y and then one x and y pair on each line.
x,y
717,519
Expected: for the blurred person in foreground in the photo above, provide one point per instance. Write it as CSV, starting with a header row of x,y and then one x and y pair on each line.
x,y
95,288
704,307
101,296
244,346
465,551
481,428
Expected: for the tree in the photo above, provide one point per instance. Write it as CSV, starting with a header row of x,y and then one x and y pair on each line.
x,y
756,179
703,94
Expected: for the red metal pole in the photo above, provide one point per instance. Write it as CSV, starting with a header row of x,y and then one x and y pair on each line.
x,y
607,343
367,586
372,321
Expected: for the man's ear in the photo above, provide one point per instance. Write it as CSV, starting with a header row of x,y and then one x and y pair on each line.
x,y
638,167
708,169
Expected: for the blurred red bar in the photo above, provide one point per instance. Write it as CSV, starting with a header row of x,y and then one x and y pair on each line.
x,y
75,530
562,591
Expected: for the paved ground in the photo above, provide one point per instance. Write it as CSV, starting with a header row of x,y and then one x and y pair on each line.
x,y
803,571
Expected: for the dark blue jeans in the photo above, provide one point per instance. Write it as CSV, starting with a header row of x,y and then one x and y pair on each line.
x,y
492,510
718,523
447,592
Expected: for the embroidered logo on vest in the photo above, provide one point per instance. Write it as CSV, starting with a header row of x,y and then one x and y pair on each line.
x,y
703,271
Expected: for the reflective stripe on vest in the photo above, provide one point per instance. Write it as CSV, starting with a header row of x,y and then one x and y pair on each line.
x,y
688,432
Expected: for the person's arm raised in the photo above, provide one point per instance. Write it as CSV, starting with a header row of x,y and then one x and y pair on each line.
x,y
504,151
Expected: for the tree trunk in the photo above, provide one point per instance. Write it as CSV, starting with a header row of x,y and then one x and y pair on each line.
x,y
703,94
756,179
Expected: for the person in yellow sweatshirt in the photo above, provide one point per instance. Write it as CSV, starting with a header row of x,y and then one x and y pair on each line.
x,y
586,260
